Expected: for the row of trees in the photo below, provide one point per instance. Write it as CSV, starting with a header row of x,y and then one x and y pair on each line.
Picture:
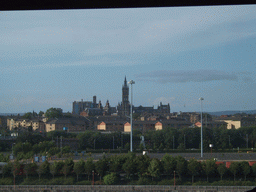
x,y
171,138
134,167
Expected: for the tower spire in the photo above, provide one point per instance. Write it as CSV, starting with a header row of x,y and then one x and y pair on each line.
x,y
125,82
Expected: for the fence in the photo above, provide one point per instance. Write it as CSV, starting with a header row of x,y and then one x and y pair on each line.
x,y
124,188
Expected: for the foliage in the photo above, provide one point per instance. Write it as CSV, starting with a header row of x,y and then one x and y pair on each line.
x,y
54,168
89,166
27,115
4,158
181,166
245,168
209,167
110,179
101,167
234,168
43,169
53,113
154,168
194,167
6,181
79,167
169,164
222,169
142,163
129,166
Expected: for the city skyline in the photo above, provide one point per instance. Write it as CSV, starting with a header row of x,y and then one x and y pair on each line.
x,y
50,58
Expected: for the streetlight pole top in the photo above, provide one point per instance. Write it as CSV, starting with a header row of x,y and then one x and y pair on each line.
x,y
201,98
131,82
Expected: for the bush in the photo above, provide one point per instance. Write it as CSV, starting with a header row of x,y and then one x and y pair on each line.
x,y
110,179
145,181
62,181
6,181
32,181
83,183
205,183
169,182
98,183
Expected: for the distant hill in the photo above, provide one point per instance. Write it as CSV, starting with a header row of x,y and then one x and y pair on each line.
x,y
219,113
9,114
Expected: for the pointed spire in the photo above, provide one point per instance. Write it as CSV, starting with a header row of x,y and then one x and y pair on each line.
x,y
125,82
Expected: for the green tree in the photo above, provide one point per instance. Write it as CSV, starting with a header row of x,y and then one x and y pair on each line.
x,y
40,113
129,166
89,166
209,167
222,169
28,115
169,164
54,168
110,179
53,113
43,169
79,167
181,166
16,169
115,163
66,170
194,167
27,169
234,168
245,168
154,168
142,163
181,147
7,169
101,167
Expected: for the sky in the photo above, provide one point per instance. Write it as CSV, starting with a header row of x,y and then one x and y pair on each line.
x,y
175,55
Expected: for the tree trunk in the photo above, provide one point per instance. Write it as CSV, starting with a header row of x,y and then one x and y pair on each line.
x,y
234,177
192,178
207,179
221,177
77,177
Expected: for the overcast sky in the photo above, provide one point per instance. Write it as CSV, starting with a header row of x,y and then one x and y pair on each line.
x,y
50,58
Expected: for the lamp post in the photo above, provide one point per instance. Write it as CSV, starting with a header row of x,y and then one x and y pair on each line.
x,y
201,99
211,145
92,177
131,82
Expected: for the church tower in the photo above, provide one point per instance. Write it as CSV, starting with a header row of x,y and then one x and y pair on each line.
x,y
125,99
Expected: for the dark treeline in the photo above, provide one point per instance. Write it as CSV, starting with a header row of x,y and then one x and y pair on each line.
x,y
163,140
129,169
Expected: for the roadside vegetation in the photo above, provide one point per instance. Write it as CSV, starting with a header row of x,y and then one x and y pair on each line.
x,y
128,169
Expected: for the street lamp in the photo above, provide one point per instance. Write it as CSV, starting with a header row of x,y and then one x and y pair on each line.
x,y
201,99
131,82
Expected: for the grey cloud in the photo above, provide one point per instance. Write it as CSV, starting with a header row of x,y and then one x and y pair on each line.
x,y
182,76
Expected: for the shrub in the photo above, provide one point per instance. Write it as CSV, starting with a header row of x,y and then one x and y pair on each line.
x,y
145,181
201,183
110,179
169,182
83,183
98,183
6,181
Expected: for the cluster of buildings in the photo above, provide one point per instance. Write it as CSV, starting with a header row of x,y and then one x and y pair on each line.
x,y
92,115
